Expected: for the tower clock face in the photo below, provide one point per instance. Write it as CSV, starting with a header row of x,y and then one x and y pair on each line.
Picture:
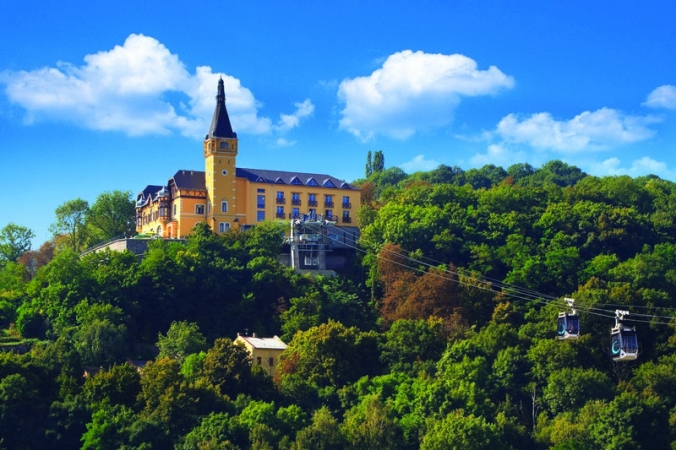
x,y
224,145
225,172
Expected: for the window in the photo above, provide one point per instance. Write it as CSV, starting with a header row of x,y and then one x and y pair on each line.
x,y
261,202
295,180
174,209
225,172
328,201
260,190
271,361
312,200
224,144
280,212
280,198
329,183
329,214
312,182
224,206
295,213
199,209
346,217
295,198
260,216
222,227
258,360
346,202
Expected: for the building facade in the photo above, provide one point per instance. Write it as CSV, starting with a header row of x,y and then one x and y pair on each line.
x,y
264,351
226,196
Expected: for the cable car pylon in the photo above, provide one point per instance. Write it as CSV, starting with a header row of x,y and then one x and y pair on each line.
x,y
568,327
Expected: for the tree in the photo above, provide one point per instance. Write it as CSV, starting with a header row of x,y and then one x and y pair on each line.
x,y
322,434
371,425
460,431
32,260
227,366
15,240
70,221
330,355
378,161
182,339
111,215
369,165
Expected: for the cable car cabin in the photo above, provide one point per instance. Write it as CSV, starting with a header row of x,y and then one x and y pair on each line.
x,y
568,326
623,343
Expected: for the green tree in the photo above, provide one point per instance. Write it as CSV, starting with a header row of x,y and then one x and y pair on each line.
x,y
15,240
369,165
331,355
371,426
71,222
111,215
322,434
378,161
227,366
182,339
101,336
458,431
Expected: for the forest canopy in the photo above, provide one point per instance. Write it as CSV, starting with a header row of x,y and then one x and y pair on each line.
x,y
441,333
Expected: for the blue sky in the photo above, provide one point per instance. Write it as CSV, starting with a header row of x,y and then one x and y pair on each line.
x,y
97,96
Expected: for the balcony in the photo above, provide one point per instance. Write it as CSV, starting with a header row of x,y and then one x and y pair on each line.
x,y
280,215
294,215
295,202
347,219
328,204
347,205
281,200
312,202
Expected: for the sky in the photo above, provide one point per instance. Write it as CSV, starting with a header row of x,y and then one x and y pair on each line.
x,y
102,96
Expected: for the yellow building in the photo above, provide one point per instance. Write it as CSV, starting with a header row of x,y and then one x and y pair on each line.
x,y
264,351
227,196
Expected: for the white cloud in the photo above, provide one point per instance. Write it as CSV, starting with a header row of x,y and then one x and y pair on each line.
x,y
136,88
642,166
290,121
283,142
413,91
419,163
662,97
588,131
499,155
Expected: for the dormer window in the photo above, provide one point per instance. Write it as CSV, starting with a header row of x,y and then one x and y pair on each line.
x,y
328,183
295,180
279,180
312,182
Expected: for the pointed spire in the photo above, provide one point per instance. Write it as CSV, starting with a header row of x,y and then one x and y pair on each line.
x,y
220,123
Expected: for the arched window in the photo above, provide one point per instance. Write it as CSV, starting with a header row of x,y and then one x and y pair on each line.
x,y
224,206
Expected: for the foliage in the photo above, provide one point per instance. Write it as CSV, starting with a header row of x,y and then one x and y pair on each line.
x,y
182,339
423,349
15,240
71,222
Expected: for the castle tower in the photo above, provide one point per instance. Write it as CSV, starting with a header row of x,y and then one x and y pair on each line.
x,y
220,153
